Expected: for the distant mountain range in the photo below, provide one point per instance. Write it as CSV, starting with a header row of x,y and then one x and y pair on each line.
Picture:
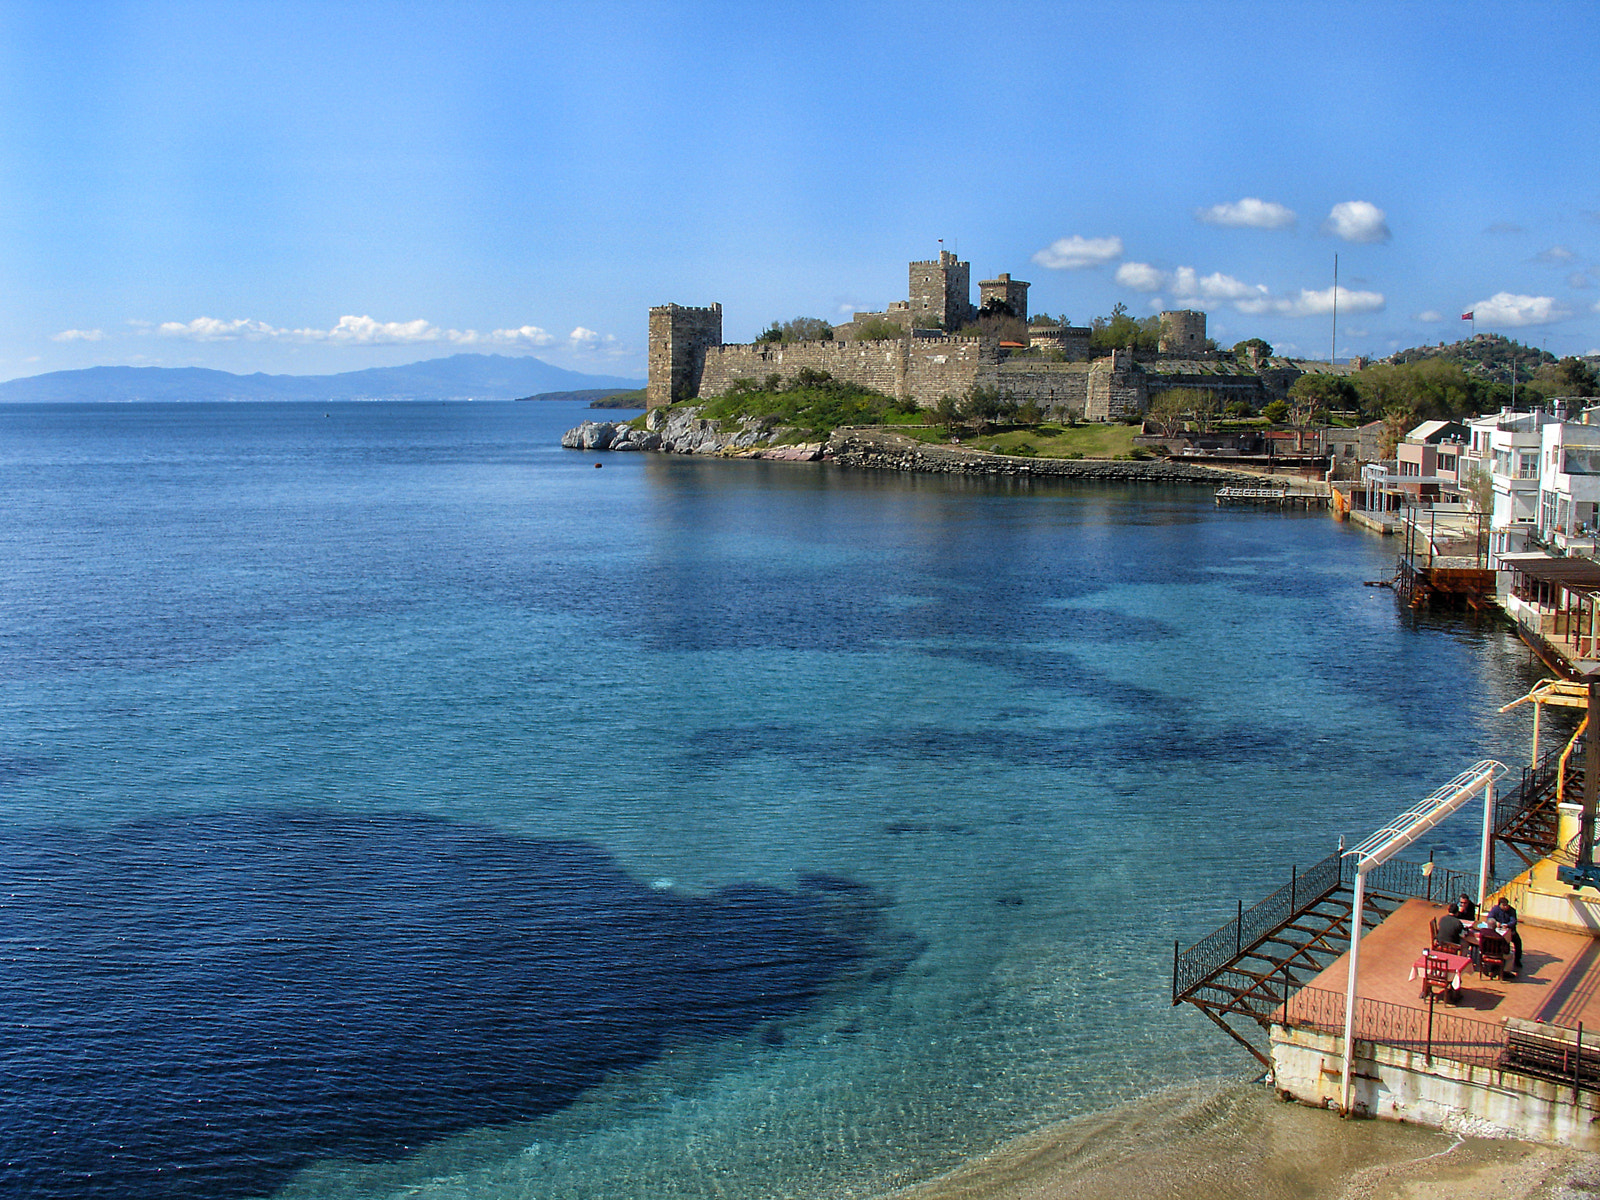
x,y
459,377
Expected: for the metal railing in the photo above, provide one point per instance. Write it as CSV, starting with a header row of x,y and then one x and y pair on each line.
x,y
1536,780
1432,1031
1305,890
1192,967
1397,877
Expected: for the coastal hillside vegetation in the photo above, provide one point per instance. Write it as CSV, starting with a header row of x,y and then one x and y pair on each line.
x,y
630,399
813,403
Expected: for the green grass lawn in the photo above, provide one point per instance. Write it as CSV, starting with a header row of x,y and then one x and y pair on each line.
x,y
1059,441
1043,441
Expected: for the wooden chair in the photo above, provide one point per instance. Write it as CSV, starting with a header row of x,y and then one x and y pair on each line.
x,y
1438,978
1493,950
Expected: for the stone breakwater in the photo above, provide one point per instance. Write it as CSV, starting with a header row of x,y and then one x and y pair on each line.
x,y
684,431
883,449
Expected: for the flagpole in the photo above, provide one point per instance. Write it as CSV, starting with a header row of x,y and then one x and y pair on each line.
x,y
1333,341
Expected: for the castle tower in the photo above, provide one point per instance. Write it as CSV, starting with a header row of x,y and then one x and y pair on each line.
x,y
941,292
679,337
1003,289
1183,333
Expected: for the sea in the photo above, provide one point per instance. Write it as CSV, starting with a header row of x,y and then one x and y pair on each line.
x,y
393,803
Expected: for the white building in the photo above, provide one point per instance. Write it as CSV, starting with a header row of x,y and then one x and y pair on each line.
x,y
1568,518
1509,447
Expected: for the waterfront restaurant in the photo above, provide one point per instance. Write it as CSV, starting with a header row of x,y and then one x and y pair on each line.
x,y
1349,1025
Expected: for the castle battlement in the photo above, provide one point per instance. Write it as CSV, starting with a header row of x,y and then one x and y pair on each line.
x,y
688,358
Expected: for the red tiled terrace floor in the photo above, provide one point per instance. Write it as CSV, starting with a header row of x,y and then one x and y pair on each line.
x,y
1559,983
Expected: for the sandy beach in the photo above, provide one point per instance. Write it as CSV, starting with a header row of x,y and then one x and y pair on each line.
x,y
1219,1142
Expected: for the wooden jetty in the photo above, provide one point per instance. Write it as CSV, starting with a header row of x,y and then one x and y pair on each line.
x,y
1276,497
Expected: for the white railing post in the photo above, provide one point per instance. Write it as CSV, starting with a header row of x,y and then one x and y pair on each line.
x,y
1485,852
1356,904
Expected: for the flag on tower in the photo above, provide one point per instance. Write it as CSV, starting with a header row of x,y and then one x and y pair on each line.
x,y
1466,316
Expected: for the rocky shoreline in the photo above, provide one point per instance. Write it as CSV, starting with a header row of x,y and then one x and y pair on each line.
x,y
684,431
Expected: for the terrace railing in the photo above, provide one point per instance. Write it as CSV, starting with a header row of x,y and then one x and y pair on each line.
x,y
1195,966
1435,1031
1305,890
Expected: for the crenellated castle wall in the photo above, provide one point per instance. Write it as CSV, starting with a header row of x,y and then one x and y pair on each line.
x,y
920,369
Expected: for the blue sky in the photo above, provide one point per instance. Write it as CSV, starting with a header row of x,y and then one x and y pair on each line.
x,y
326,187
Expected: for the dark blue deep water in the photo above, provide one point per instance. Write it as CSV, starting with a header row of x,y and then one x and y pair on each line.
x,y
392,803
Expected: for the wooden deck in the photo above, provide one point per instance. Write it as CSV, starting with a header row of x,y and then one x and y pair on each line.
x,y
1559,983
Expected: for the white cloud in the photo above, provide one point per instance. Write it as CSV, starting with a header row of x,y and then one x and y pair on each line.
x,y
1141,277
211,329
588,339
1249,213
1074,253
351,331
1504,308
1580,279
364,331
1555,254
1309,303
1431,317
522,335
1357,221
1187,284
79,335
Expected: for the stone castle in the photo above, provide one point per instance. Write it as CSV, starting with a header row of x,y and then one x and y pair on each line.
x,y
688,359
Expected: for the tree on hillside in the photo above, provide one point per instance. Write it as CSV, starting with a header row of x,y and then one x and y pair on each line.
x,y
1166,412
1241,350
801,329
879,329
1171,410
1429,388
1120,331
984,406
1569,377
1397,422
993,323
1488,357
1324,391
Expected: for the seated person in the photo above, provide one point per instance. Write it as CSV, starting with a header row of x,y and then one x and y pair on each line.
x,y
1504,916
1449,930
1466,909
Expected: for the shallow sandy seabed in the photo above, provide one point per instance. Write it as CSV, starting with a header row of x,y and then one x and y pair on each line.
x,y
1205,1142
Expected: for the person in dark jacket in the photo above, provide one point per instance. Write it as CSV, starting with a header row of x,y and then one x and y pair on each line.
x,y
1504,917
1450,929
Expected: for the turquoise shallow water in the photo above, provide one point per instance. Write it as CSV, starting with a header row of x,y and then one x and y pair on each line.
x,y
396,804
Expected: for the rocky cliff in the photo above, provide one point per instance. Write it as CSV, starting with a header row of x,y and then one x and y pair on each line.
x,y
682,430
